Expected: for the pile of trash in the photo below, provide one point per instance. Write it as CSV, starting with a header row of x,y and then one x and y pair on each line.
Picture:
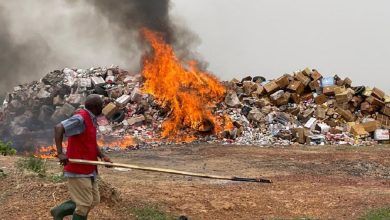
x,y
307,108
31,110
303,107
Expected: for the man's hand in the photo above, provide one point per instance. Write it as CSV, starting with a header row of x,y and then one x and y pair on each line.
x,y
63,159
107,159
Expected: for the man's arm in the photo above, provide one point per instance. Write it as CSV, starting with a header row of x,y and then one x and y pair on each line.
x,y
59,131
102,156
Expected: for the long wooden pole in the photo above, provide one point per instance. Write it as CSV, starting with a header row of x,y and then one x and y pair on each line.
x,y
177,172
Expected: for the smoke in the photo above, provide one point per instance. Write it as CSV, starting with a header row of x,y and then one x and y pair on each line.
x,y
39,36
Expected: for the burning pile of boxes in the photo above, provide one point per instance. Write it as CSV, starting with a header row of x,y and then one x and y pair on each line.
x,y
307,108
303,107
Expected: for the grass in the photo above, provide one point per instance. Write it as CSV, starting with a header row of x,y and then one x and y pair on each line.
x,y
34,164
6,148
57,178
150,212
377,214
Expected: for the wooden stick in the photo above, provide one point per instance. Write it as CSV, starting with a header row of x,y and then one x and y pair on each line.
x,y
177,172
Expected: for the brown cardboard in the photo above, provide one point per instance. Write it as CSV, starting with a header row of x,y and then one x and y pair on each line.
x,y
386,110
307,97
329,90
110,110
299,134
320,113
315,75
373,100
347,82
358,130
282,81
371,126
314,85
384,120
346,114
296,87
271,87
321,99
343,97
304,79
378,93
296,98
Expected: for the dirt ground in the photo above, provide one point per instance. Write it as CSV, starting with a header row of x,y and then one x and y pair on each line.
x,y
313,182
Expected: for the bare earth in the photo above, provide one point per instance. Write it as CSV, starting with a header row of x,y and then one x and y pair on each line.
x,y
313,182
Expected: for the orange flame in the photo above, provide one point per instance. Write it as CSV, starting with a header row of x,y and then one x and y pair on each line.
x,y
124,143
188,92
48,152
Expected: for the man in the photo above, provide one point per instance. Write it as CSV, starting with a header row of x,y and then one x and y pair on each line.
x,y
82,184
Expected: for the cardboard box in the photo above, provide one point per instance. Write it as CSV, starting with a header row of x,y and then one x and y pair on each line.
x,y
296,98
375,101
346,114
315,75
307,97
110,110
97,81
123,100
381,135
321,99
358,130
271,87
296,87
307,71
384,120
320,113
343,97
299,134
311,123
283,81
371,126
304,79
314,85
329,90
386,110
378,93
366,108
347,82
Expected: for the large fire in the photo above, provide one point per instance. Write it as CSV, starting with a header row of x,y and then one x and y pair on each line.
x,y
188,92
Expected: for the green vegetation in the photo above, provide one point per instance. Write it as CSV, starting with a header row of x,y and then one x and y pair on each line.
x,y
6,148
57,178
150,213
34,164
377,214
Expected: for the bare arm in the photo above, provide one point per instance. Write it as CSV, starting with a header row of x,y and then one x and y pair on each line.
x,y
59,131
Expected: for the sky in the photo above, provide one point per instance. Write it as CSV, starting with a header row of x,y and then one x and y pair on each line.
x,y
272,37
237,38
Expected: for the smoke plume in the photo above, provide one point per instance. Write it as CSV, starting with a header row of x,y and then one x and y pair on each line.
x,y
39,36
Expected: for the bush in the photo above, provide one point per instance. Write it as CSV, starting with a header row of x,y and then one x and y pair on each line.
x,y
34,164
6,148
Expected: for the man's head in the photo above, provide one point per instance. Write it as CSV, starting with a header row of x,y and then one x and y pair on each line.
x,y
94,104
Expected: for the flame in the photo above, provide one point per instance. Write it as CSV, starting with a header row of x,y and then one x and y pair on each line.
x,y
124,143
188,92
48,152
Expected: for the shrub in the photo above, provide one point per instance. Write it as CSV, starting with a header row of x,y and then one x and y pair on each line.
x,y
6,148
34,164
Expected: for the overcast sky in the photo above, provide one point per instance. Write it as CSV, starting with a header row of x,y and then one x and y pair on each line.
x,y
271,37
